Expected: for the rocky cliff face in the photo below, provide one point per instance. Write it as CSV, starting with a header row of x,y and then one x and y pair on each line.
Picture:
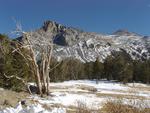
x,y
85,46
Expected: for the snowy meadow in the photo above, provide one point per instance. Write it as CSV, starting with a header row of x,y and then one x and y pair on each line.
x,y
67,96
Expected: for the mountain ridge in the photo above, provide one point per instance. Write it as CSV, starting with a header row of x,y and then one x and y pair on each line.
x,y
88,46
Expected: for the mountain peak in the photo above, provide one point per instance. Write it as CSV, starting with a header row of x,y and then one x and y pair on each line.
x,y
52,26
123,32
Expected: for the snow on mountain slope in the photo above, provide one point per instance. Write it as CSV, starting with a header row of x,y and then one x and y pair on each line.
x,y
85,46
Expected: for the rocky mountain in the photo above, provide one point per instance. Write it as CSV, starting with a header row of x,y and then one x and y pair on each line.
x,y
86,46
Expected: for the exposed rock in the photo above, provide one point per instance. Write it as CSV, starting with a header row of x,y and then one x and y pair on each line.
x,y
85,46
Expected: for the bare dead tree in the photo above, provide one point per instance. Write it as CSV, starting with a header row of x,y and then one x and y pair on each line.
x,y
39,57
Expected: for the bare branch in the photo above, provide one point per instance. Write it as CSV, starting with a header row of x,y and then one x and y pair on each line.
x,y
15,76
55,66
16,49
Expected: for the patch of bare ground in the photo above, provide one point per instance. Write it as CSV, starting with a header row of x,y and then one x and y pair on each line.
x,y
62,87
76,89
88,88
143,89
10,98
140,87
127,96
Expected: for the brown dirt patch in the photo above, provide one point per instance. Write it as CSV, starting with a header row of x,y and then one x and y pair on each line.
x,y
10,98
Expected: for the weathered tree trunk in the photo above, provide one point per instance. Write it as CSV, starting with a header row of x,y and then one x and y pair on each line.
x,y
35,66
38,79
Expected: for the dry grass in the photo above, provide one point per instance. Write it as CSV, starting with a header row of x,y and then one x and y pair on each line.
x,y
118,107
139,87
120,96
47,107
10,98
88,88
110,106
81,108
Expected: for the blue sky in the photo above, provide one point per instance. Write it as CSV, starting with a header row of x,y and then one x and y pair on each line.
x,y
101,16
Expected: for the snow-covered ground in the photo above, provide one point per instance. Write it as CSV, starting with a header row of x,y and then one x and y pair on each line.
x,y
93,94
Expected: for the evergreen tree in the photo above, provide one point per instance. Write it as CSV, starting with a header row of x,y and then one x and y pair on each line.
x,y
98,69
12,66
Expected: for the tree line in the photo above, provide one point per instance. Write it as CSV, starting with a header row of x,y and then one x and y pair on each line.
x,y
118,67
